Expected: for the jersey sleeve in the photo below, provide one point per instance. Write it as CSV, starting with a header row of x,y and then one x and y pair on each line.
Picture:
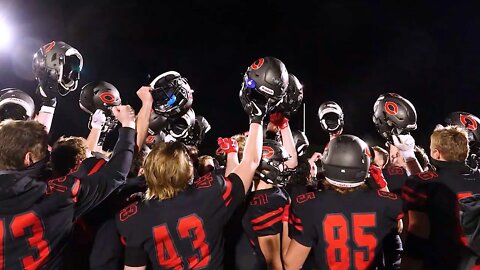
x,y
300,227
98,184
393,205
415,195
266,219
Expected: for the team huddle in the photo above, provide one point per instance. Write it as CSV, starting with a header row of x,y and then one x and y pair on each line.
x,y
263,200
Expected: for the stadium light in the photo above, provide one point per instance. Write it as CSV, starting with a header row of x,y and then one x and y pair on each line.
x,y
5,34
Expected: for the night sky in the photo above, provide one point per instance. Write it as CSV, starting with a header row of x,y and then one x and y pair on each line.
x,y
345,51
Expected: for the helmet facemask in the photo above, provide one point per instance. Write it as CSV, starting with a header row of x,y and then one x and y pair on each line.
x,y
171,93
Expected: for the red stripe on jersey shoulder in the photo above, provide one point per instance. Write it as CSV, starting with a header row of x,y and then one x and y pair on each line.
x,y
268,224
75,189
123,240
267,216
228,191
462,195
97,166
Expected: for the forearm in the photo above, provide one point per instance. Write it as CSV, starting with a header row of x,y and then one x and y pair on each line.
x,y
45,118
143,118
92,139
232,162
289,144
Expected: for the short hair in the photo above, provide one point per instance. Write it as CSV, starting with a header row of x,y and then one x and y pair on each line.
x,y
67,153
451,142
203,166
325,185
168,170
17,138
383,152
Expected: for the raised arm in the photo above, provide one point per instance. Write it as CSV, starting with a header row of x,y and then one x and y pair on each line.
x,y
281,122
97,121
95,187
143,117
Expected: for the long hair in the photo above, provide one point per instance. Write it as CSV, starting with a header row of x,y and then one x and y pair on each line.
x,y
168,170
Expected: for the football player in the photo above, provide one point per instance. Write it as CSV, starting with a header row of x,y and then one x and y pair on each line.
x,y
345,223
36,217
434,238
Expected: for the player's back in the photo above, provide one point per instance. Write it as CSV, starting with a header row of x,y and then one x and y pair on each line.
x,y
345,231
35,221
186,231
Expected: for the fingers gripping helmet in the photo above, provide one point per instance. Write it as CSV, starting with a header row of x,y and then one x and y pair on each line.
x,y
265,81
57,68
394,115
15,104
99,95
293,96
196,134
272,168
301,142
172,95
346,162
331,116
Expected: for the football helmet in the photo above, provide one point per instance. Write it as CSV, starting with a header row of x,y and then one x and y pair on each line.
x,y
265,82
272,168
99,95
394,115
346,162
179,127
197,132
57,68
331,116
15,104
293,97
172,95
156,123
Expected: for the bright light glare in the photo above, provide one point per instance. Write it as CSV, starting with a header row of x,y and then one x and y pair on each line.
x,y
5,35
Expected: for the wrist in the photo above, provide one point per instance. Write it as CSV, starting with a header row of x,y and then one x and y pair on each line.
x,y
128,124
47,109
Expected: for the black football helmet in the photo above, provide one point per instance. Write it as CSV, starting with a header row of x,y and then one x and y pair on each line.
x,y
346,162
272,168
172,95
301,142
99,95
394,115
57,68
15,104
179,127
156,123
293,97
196,134
331,116
265,81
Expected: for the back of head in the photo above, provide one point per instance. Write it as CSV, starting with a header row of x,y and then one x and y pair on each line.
x,y
451,142
67,153
17,138
168,170
346,162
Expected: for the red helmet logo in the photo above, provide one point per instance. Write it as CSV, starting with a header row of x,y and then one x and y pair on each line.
x,y
150,139
257,64
107,98
267,152
391,107
48,47
468,122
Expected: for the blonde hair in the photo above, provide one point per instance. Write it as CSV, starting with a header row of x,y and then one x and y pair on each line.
x,y
451,142
167,170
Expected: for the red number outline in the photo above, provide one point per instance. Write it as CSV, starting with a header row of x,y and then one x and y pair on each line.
x,y
188,227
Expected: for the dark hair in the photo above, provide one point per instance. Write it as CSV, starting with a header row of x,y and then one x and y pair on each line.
x,y
17,138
